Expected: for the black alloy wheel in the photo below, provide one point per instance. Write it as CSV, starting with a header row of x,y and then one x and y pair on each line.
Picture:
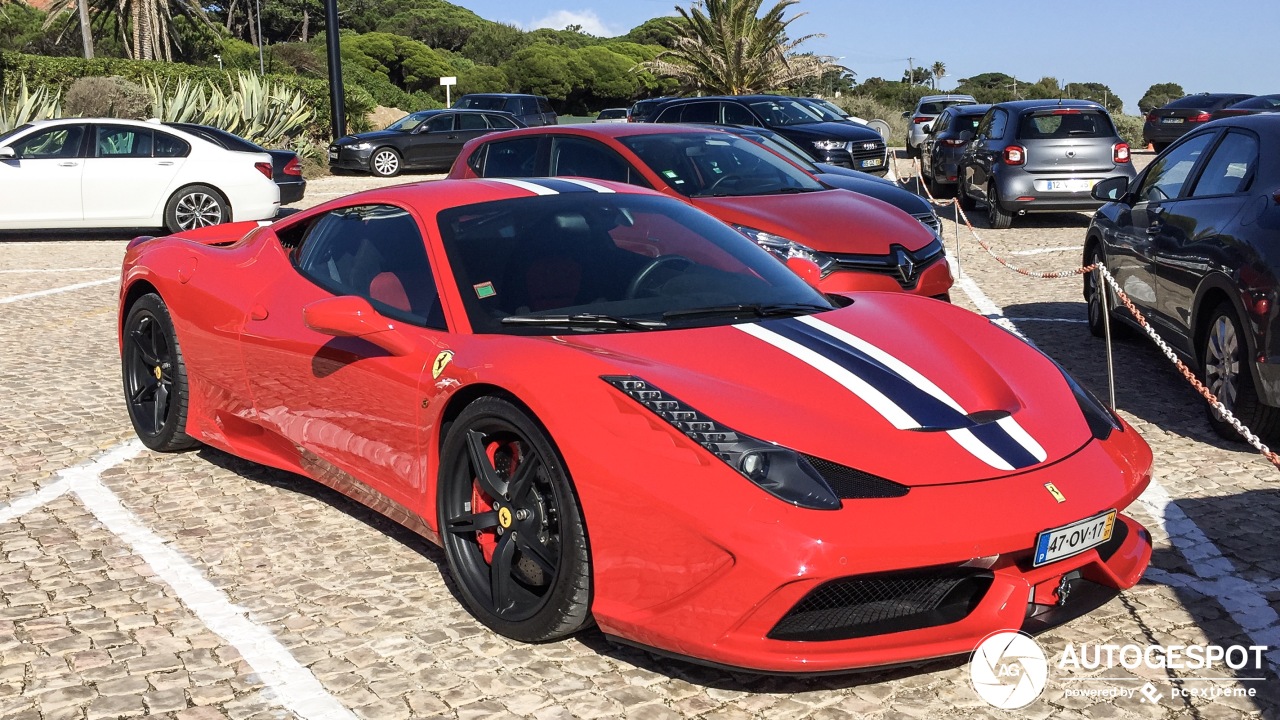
x,y
997,217
1093,301
155,377
1224,360
511,526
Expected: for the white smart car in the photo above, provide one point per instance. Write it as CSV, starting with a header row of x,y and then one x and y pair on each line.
x,y
106,172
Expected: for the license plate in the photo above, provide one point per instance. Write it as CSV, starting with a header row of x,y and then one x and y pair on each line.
x,y
1069,185
874,162
333,155
1171,120
1073,539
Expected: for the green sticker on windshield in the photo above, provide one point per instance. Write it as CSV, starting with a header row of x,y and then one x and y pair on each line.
x,y
668,174
485,290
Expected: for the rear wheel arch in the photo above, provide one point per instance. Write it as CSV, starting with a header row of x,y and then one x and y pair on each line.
x,y
137,289
1215,291
226,200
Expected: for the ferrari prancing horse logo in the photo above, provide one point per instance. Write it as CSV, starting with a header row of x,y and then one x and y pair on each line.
x,y
504,517
1055,492
438,366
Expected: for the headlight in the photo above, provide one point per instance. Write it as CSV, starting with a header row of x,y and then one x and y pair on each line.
x,y
780,471
361,146
829,144
784,248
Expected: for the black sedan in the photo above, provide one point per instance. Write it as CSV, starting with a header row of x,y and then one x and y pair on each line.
x,y
425,140
1192,240
1252,106
943,145
286,167
1178,117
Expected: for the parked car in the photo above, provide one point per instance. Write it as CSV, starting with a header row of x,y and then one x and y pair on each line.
x,y
928,108
1178,117
639,111
828,110
834,143
944,142
1250,106
530,110
1193,243
612,115
844,178
107,172
425,140
857,242
610,409
286,166
1040,156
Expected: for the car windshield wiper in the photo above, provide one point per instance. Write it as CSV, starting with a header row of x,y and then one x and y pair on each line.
x,y
584,320
794,190
759,310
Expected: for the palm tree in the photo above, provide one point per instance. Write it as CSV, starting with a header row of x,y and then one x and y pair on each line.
x,y
939,69
726,47
146,26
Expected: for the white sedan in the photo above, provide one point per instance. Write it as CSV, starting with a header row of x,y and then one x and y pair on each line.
x,y
106,172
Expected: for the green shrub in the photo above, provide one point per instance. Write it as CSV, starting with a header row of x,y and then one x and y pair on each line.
x,y
106,97
869,108
1130,129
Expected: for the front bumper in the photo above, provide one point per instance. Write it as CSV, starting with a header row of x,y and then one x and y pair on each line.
x,y
873,160
346,158
933,281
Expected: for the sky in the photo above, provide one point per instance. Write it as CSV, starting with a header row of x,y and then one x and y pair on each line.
x,y
1203,45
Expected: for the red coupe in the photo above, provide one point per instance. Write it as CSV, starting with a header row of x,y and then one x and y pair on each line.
x,y
608,406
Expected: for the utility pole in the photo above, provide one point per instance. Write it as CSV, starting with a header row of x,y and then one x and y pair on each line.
x,y
337,112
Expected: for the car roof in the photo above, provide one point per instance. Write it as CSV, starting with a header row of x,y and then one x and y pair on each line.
x,y
502,95
980,109
1048,104
187,136
952,96
615,130
1260,121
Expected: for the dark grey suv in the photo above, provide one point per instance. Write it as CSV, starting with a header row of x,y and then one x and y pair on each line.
x,y
1040,156
532,110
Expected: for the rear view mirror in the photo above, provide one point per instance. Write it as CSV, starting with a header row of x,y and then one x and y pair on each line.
x,y
807,269
906,114
1111,189
352,316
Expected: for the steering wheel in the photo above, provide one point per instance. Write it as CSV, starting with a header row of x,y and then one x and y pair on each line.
x,y
646,274
721,180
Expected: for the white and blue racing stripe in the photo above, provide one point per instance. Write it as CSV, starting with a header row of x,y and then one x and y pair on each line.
x,y
553,186
899,393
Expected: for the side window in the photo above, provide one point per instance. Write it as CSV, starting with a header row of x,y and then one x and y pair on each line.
x,y
735,114
528,106
509,158
500,122
999,119
1230,168
57,142
587,158
984,126
701,112
1166,176
469,121
544,106
116,141
669,114
168,146
376,252
439,123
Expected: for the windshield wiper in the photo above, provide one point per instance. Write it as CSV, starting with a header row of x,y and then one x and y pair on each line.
x,y
760,310
583,320
794,190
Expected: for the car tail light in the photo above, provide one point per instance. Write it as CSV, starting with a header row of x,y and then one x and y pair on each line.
x,y
1120,152
1015,155
1201,116
952,143
921,119
1066,111
264,168
1153,117
293,167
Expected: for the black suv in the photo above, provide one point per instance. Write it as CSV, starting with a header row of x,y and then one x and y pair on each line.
x,y
1178,117
834,143
532,110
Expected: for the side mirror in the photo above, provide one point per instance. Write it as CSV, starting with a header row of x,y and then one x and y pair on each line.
x,y
808,270
966,136
353,316
1111,189
928,128
7,153
906,113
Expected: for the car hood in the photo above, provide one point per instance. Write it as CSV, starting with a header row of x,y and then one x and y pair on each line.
x,y
904,200
829,130
834,221
372,135
855,386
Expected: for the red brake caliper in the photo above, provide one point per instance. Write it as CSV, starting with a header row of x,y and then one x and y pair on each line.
x,y
482,503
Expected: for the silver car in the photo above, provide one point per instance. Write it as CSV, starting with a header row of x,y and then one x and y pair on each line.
x,y
927,110
1040,155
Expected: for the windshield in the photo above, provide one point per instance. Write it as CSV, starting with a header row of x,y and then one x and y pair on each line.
x,y
482,103
15,131
409,122
785,111
610,262
822,111
612,114
699,164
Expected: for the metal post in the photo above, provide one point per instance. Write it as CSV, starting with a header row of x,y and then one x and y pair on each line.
x,y
1100,287
337,103
262,65
956,205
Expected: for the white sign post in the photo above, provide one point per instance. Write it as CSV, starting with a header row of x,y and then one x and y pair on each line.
x,y
448,82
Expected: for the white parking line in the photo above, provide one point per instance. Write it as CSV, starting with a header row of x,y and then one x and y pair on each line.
x,y
55,291
1243,600
32,271
287,681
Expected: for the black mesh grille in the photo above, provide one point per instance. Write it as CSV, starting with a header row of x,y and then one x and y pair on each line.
x,y
849,483
878,604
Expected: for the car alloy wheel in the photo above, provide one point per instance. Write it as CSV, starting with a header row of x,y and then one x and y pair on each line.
x,y
155,378
193,207
1092,299
997,217
1224,362
385,162
511,526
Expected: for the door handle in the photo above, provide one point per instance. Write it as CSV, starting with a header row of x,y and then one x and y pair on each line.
x,y
68,164
165,162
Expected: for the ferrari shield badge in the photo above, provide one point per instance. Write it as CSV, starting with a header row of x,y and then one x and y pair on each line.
x,y
441,361
1055,492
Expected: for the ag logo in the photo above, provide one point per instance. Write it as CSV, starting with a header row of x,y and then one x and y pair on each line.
x,y
438,366
1008,670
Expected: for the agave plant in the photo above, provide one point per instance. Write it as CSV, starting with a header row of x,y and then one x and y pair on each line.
x,y
186,102
257,109
19,104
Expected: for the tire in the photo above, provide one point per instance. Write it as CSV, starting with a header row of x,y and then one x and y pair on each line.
x,y
912,152
997,217
194,207
544,590
1097,324
1224,363
155,377
1159,146
963,198
385,162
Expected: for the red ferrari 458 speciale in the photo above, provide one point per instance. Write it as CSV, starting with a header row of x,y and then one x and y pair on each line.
x,y
609,407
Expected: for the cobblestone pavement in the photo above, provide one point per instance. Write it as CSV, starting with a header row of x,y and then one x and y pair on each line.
x,y
201,586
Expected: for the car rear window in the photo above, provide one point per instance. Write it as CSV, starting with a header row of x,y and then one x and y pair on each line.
x,y
960,123
1065,124
1194,101
936,108
482,103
